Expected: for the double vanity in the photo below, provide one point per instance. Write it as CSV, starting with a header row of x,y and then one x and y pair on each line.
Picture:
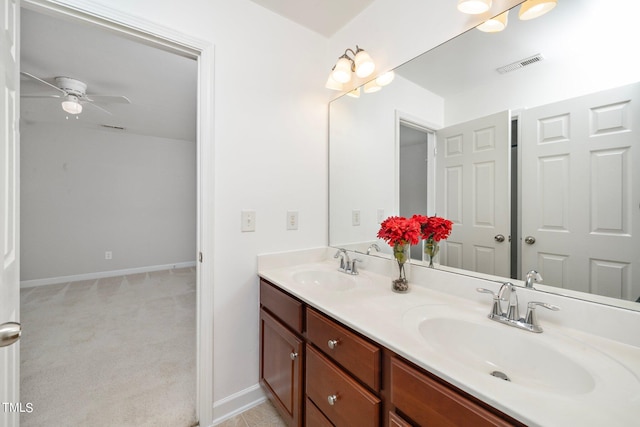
x,y
343,349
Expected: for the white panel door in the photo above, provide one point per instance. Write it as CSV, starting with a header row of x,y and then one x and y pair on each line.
x,y
9,173
472,180
581,192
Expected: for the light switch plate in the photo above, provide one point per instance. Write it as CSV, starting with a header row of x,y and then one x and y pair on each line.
x,y
248,221
355,217
292,220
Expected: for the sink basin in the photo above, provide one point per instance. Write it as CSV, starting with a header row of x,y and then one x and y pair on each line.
x,y
512,356
326,279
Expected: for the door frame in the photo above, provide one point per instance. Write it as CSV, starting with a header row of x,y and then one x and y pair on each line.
x,y
202,51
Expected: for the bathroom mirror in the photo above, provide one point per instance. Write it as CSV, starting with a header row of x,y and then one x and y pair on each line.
x,y
567,73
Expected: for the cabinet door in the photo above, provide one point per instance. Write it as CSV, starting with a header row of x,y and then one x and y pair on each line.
x,y
281,354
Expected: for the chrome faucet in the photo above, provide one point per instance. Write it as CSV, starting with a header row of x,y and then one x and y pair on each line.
x,y
346,265
373,246
510,316
532,276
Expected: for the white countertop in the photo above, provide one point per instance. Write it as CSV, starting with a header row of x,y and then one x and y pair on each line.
x,y
610,397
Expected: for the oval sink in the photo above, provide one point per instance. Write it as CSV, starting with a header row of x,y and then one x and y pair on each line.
x,y
327,279
508,354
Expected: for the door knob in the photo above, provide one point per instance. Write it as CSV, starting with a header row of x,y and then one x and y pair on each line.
x,y
529,240
499,238
9,333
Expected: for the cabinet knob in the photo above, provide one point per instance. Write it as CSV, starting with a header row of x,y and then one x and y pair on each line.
x,y
332,399
332,344
293,355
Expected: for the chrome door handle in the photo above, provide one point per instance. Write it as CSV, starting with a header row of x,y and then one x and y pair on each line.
x,y
529,240
499,238
9,333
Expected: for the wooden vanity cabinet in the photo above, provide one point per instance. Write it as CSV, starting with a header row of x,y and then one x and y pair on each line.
x,y
282,352
319,373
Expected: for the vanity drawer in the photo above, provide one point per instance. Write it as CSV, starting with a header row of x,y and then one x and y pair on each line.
x,y
353,406
429,402
355,354
288,309
313,416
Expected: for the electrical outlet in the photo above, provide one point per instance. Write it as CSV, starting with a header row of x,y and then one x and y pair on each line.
x,y
355,217
248,221
108,255
292,220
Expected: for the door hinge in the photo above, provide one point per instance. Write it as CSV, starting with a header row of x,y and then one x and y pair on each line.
x,y
200,256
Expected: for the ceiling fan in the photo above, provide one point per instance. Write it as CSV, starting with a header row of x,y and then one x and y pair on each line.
x,y
74,94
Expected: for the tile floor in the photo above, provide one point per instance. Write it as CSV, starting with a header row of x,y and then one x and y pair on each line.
x,y
263,415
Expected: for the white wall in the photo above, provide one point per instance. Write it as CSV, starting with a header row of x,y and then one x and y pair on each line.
x,y
86,191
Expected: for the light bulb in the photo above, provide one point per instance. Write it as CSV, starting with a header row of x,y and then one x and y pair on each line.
x,y
531,9
332,84
342,71
364,64
495,24
372,87
385,78
474,7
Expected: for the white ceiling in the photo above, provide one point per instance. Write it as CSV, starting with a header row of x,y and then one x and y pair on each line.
x,y
322,16
160,85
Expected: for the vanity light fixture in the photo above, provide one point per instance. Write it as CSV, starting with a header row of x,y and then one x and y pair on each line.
x,y
361,64
386,78
474,7
354,93
372,87
531,9
495,24
71,105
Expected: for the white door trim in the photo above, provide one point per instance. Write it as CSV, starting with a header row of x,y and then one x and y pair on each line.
x,y
167,38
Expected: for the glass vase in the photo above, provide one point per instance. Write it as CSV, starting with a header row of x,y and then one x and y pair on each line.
x,y
431,249
401,256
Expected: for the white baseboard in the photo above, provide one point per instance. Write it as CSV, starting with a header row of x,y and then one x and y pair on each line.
x,y
236,403
103,274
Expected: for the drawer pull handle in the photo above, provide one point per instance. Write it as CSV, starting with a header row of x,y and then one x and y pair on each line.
x,y
333,344
332,399
293,355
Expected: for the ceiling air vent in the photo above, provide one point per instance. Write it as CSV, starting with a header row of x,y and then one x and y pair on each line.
x,y
112,127
522,63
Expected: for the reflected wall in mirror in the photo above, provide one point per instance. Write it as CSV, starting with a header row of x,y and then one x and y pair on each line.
x,y
546,154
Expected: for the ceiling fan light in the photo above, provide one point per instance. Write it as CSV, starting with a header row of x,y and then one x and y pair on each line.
x,y
495,24
364,64
342,71
386,78
474,7
531,9
71,105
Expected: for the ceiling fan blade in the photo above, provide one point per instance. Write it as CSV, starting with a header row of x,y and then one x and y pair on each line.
x,y
99,108
108,99
41,96
43,82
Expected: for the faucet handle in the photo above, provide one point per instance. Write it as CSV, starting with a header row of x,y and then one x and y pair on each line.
x,y
495,308
353,267
532,318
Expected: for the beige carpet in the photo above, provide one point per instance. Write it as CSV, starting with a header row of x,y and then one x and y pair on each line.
x,y
110,352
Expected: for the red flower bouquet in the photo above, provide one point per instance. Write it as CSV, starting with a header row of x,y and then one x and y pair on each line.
x,y
400,232
433,229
